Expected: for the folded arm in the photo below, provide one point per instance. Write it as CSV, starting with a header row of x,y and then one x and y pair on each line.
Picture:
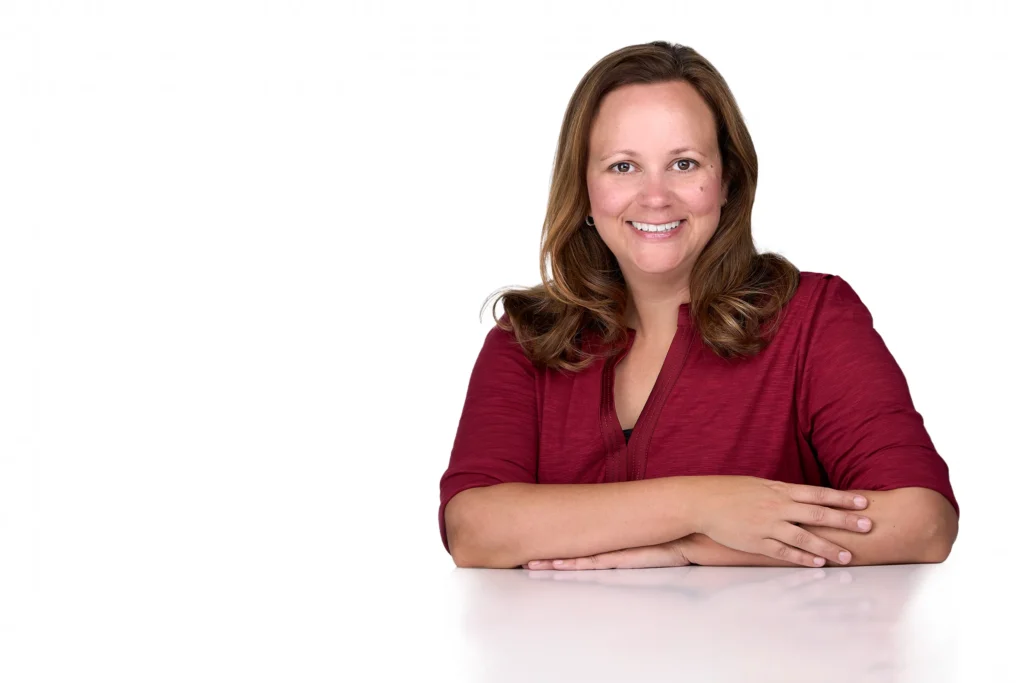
x,y
506,525
909,526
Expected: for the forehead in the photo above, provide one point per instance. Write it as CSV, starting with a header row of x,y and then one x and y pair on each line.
x,y
671,113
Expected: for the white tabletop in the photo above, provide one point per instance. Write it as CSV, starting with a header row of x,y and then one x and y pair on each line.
x,y
300,611
932,623
703,623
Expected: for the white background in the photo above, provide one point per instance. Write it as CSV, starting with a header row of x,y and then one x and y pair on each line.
x,y
243,252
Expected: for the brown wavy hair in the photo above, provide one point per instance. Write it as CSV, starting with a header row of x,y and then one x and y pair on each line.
x,y
735,292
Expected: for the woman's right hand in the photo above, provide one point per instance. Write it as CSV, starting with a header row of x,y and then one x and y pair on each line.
x,y
758,515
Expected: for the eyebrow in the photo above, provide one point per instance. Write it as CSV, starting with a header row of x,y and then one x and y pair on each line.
x,y
678,150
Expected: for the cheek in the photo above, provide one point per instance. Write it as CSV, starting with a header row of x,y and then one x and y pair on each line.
x,y
702,197
609,198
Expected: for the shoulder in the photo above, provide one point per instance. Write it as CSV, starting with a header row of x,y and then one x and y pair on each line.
x,y
813,285
823,293
501,348
499,340
829,318
824,309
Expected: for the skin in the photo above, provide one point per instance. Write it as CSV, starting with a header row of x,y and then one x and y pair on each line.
x,y
653,185
910,525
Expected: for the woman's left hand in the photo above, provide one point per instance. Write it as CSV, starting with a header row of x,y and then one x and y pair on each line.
x,y
671,554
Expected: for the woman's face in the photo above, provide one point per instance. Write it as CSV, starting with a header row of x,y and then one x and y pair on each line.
x,y
670,171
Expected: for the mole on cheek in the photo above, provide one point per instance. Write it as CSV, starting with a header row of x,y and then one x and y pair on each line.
x,y
702,188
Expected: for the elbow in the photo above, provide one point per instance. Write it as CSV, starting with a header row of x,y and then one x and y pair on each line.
x,y
936,551
458,537
470,546
461,557
470,555
924,525
464,552
940,538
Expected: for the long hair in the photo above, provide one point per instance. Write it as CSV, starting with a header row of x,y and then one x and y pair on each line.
x,y
735,293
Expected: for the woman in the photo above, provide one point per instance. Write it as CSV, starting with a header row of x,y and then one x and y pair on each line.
x,y
669,396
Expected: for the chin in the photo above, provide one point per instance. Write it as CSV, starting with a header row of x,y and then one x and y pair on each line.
x,y
657,267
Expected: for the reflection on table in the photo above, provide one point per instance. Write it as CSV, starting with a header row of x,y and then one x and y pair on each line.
x,y
696,624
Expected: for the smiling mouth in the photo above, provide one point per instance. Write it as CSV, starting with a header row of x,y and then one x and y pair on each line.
x,y
652,228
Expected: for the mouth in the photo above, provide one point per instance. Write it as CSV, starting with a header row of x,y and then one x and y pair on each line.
x,y
653,229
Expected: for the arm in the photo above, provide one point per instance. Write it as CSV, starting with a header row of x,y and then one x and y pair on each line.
x,y
855,410
493,511
910,525
509,524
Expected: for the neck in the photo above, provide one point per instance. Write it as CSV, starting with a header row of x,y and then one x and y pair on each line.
x,y
655,314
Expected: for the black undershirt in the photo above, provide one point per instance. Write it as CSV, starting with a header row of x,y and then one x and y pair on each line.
x,y
627,432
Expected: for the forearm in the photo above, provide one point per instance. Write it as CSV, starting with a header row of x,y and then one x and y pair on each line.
x,y
908,526
506,525
906,529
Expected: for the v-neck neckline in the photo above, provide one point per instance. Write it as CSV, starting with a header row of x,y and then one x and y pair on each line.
x,y
627,460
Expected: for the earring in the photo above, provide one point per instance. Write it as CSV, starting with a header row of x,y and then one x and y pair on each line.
x,y
589,221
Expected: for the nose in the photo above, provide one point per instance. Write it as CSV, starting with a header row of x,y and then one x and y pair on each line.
x,y
654,192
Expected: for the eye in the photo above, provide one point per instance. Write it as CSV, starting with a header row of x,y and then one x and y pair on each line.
x,y
614,167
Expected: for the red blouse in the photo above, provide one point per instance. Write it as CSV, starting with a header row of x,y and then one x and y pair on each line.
x,y
825,403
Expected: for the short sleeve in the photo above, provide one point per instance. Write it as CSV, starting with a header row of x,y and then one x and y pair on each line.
x,y
856,402
496,440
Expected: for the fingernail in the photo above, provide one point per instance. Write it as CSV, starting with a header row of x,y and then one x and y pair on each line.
x,y
864,523
819,561
534,563
558,562
860,501
844,557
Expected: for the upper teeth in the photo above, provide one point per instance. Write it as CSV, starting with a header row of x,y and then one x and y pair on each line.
x,y
647,227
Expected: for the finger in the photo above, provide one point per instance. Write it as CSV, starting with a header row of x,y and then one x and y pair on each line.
x,y
578,563
538,565
821,495
787,553
632,558
817,515
803,539
591,562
